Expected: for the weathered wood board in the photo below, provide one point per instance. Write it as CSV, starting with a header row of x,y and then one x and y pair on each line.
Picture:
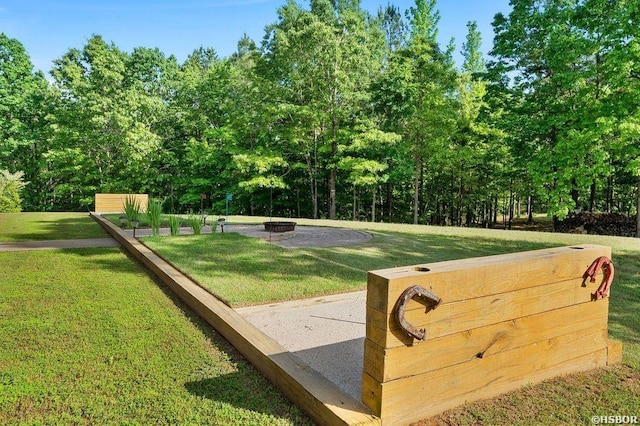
x,y
114,203
504,321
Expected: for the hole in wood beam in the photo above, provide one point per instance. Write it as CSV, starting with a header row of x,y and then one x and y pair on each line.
x,y
422,269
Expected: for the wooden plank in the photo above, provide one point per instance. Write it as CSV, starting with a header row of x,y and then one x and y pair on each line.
x,y
436,353
483,276
614,352
320,398
450,318
410,399
114,203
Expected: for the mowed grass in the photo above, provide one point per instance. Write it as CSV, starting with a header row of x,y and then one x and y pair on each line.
x,y
244,271
48,226
247,271
88,337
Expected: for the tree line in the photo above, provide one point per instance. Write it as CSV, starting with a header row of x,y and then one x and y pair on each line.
x,y
342,114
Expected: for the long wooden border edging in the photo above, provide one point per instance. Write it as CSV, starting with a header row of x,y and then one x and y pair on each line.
x,y
320,398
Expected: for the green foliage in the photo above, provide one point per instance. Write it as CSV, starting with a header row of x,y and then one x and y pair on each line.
x,y
424,19
174,224
131,209
11,185
569,77
195,222
154,215
305,124
259,168
25,105
321,62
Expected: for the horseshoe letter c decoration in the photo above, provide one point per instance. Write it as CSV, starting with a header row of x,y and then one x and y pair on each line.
x,y
414,292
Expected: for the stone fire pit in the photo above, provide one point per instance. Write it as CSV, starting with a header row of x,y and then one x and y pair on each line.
x,y
279,226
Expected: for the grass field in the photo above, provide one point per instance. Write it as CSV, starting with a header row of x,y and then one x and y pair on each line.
x,y
87,337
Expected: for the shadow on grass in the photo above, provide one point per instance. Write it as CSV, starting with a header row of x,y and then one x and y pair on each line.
x,y
242,270
73,228
243,389
231,253
388,250
52,226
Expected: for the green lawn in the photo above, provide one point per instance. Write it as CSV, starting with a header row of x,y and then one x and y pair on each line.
x,y
88,337
242,270
48,226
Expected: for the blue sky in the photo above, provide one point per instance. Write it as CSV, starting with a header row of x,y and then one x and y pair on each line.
x,y
49,28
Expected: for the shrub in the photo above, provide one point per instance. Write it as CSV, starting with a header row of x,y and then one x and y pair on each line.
x,y
10,186
131,209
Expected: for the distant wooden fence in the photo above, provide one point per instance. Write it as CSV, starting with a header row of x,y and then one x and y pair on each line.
x,y
114,203
502,322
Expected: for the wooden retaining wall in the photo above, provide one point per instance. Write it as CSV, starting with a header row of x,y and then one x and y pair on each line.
x,y
114,203
321,399
503,322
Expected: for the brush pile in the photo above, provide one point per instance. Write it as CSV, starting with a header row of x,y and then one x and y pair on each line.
x,y
597,223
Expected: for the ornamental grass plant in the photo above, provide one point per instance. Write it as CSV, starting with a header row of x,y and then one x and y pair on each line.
x,y
174,224
154,215
195,222
131,209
